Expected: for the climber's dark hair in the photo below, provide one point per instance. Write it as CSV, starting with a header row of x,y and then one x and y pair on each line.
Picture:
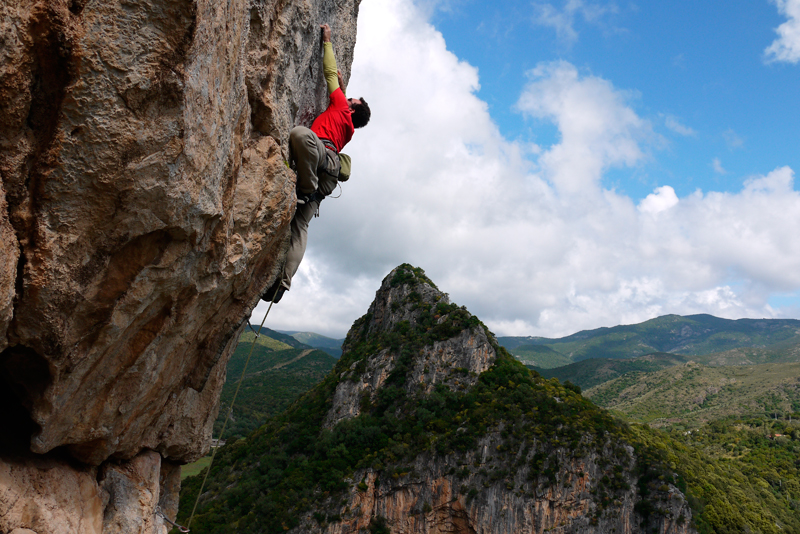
x,y
361,114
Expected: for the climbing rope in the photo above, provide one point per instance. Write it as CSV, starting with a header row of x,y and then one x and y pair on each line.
x,y
230,410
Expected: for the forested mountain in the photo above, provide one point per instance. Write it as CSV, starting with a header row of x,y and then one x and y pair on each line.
x,y
428,425
691,335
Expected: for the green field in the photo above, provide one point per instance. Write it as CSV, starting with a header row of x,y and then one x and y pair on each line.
x,y
195,468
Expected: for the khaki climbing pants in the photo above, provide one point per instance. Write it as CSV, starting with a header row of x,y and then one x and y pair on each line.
x,y
298,240
309,155
313,163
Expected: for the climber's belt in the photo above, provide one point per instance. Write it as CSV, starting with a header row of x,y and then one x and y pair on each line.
x,y
329,145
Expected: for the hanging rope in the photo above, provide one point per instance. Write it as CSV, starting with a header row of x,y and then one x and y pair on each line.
x,y
230,410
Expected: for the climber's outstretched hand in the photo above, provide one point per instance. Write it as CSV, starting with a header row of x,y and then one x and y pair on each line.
x,y
326,33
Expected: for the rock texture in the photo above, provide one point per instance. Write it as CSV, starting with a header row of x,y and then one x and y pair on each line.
x,y
54,496
144,207
429,501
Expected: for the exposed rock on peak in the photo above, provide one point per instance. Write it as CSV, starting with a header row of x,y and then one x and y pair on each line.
x,y
407,300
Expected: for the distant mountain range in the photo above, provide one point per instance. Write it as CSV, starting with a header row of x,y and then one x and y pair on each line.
x,y
327,344
753,373
691,335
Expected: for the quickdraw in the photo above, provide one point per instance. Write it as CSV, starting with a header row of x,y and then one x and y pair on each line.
x,y
170,521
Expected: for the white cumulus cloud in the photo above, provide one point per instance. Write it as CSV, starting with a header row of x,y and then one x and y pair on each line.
x,y
598,128
786,47
663,199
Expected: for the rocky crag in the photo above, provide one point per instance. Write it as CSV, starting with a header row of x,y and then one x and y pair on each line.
x,y
427,425
144,206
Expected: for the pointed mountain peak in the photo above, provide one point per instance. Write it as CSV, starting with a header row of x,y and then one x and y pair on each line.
x,y
405,294
411,341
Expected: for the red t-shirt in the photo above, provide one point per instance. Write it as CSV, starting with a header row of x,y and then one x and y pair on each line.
x,y
335,123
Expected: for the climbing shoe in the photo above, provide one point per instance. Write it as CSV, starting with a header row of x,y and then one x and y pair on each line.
x,y
274,293
305,199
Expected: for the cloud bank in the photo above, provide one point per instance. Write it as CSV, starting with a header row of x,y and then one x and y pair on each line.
x,y
527,237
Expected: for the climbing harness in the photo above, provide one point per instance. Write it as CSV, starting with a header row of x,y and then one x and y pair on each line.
x,y
230,410
170,521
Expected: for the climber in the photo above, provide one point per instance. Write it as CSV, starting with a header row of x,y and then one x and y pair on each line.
x,y
315,155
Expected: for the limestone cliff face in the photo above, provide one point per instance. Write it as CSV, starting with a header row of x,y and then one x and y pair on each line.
x,y
430,499
503,485
144,206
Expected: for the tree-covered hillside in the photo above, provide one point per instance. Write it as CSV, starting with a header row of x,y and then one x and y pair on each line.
x,y
540,356
595,371
740,475
276,375
692,394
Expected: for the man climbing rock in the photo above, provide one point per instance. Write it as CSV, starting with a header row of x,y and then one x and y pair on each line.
x,y
315,154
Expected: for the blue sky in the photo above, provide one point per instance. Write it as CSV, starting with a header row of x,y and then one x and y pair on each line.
x,y
565,165
695,70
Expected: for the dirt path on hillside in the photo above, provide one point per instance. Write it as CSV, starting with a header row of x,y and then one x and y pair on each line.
x,y
284,364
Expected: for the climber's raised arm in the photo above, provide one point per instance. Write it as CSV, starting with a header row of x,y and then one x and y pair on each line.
x,y
329,61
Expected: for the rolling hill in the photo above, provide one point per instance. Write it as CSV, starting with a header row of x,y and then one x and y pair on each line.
x,y
595,371
692,394
540,356
329,345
